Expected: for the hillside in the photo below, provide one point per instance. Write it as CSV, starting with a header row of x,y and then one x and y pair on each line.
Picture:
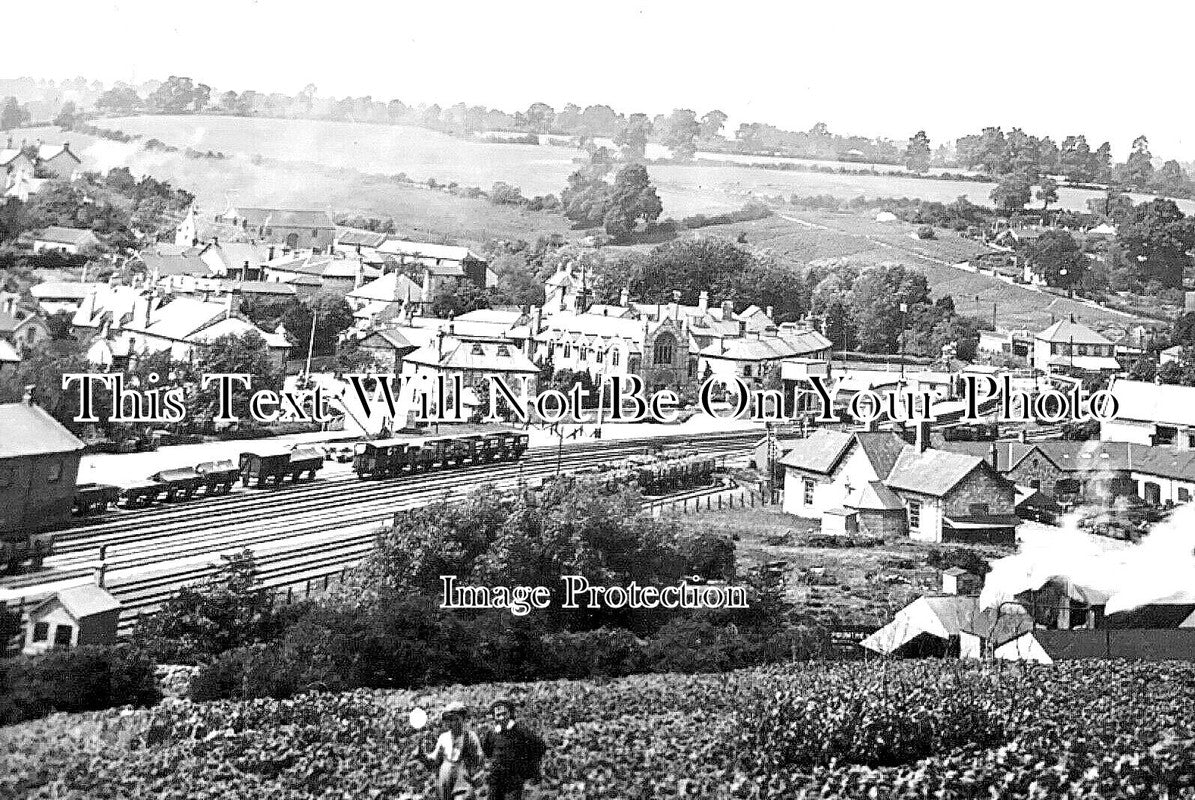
x,y
895,729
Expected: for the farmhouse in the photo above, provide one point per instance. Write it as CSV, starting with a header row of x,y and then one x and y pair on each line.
x,y
74,617
66,240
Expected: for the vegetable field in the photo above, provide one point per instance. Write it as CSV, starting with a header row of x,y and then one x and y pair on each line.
x,y
920,729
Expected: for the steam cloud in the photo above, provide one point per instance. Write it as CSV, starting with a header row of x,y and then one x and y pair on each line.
x,y
1124,576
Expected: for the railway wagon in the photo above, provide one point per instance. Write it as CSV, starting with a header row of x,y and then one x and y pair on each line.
x,y
218,476
273,468
177,484
94,498
139,494
384,458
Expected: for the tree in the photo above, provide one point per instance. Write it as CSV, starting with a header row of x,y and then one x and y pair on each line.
x,y
917,154
712,124
12,114
1138,169
333,316
680,134
1056,256
175,96
875,301
67,115
1171,180
632,198
1156,237
539,117
119,100
1012,192
1047,192
245,354
454,298
632,139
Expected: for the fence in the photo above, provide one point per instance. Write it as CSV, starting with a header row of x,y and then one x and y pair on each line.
x,y
735,497
312,587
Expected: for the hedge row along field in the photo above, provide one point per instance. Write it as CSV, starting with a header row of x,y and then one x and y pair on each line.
x,y
939,729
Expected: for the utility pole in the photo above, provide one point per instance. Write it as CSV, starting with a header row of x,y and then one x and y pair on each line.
x,y
904,310
311,341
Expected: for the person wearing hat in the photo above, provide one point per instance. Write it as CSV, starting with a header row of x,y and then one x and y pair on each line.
x,y
514,752
457,754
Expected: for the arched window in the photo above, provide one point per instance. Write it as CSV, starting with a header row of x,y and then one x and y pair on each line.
x,y
665,345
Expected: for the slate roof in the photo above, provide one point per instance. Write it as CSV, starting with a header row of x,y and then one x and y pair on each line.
x,y
264,287
27,430
8,354
282,217
393,287
48,151
437,252
454,354
351,237
84,601
1066,331
939,616
771,347
882,448
820,452
932,472
177,265
1163,404
56,234
391,337
875,496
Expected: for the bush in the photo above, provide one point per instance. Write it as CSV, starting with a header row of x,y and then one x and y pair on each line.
x,y
926,232
79,679
607,652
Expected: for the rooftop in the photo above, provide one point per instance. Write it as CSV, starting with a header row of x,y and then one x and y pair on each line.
x,y
27,430
1071,332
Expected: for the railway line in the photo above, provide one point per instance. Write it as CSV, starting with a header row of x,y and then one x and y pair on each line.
x,y
299,532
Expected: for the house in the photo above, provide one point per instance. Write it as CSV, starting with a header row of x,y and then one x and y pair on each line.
x,y
182,273
74,617
1069,348
476,363
929,626
325,272
953,497
394,288
1064,470
106,305
751,358
876,509
22,329
388,348
822,471
194,230
241,261
57,160
15,164
1151,414
55,296
186,327
436,263
294,229
66,240
39,461
10,359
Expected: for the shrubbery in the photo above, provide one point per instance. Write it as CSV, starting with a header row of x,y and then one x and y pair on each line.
x,y
79,679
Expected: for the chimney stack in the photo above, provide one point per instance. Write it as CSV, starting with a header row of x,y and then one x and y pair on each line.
x,y
624,299
742,329
924,427
28,398
771,311
727,310
703,302
674,306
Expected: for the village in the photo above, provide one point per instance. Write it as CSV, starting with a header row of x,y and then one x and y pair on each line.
x,y
295,447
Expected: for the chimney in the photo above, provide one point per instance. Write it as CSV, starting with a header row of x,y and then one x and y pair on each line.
x,y
703,302
439,344
28,398
727,310
924,427
270,257
536,320
228,306
1021,436
993,456
674,306
742,329
771,311
216,241
101,567
624,299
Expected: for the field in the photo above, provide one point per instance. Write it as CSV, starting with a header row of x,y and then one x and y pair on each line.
x,y
422,154
911,729
800,236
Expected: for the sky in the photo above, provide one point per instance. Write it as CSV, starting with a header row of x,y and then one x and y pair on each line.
x,y
1109,70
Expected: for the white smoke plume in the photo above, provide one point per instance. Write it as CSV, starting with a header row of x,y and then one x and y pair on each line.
x,y
1095,570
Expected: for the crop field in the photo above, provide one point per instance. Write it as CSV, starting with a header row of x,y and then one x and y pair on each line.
x,y
910,729
422,154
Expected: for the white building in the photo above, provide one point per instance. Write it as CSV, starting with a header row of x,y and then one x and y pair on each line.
x,y
1152,414
1067,346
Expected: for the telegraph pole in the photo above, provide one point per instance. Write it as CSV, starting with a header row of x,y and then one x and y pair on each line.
x,y
904,310
311,341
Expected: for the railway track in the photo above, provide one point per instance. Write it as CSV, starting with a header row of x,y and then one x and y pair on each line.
x,y
317,528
